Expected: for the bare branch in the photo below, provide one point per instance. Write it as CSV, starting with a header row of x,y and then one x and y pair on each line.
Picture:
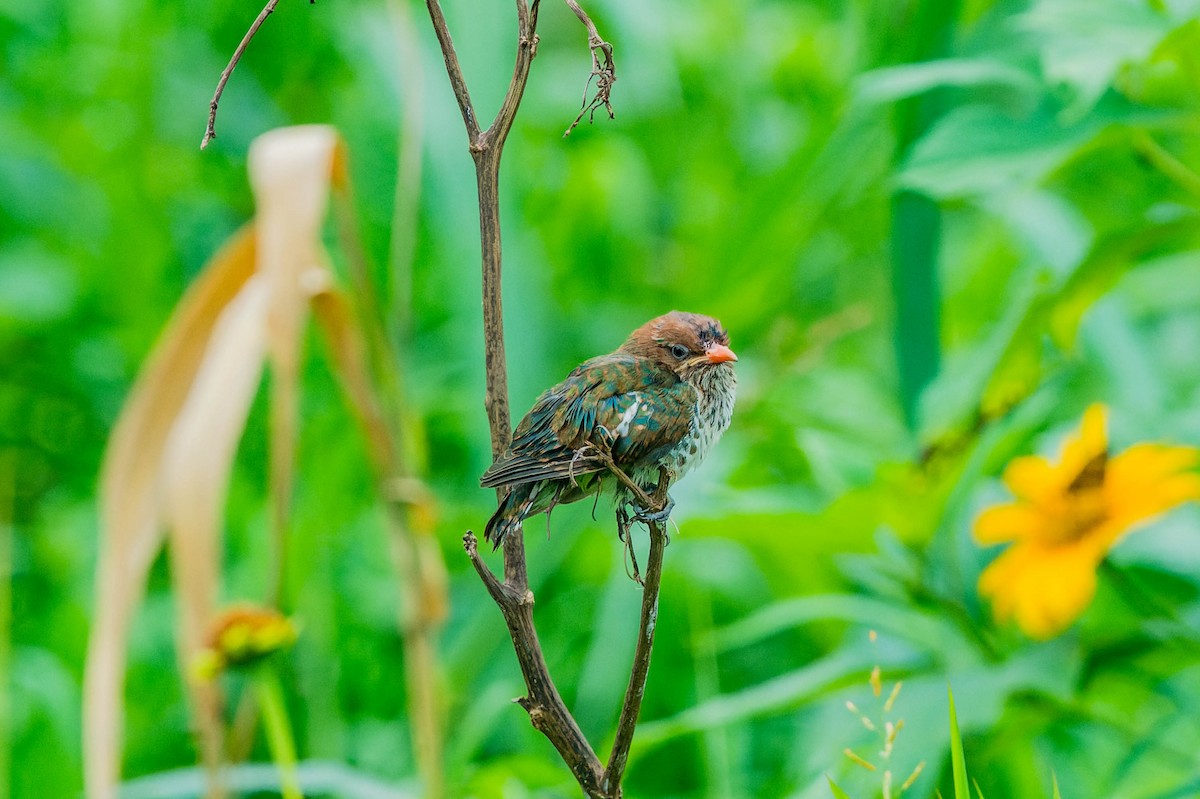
x,y
210,132
547,712
604,73
611,782
457,82
527,42
494,586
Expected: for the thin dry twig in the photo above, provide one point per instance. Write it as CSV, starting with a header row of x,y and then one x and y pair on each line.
x,y
542,702
457,82
610,784
547,712
605,74
210,132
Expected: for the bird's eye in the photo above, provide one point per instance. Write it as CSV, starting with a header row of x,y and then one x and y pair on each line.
x,y
679,351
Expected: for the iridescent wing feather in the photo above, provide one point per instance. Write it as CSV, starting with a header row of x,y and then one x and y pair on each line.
x,y
644,409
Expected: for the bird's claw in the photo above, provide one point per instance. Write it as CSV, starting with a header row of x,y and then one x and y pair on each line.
x,y
654,517
604,439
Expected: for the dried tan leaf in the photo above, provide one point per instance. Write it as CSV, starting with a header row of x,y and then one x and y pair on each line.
x,y
130,500
290,173
196,466
425,588
410,523
348,355
171,453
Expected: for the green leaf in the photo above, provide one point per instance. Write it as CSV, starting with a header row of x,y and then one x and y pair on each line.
x,y
1084,43
977,150
926,629
1057,795
785,692
889,84
957,761
838,793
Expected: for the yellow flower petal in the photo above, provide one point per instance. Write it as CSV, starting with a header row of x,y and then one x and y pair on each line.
x,y
1149,462
1065,522
1092,441
245,634
206,665
1007,523
1043,589
1149,479
1033,478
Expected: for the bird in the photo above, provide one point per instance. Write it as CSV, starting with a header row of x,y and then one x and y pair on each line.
x,y
662,399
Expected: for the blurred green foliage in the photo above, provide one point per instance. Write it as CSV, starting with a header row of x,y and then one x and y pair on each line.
x,y
937,231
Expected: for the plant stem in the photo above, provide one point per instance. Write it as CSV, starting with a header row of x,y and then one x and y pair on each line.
x,y
278,730
8,492
547,712
615,771
210,132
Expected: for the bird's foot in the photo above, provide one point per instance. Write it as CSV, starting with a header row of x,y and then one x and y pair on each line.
x,y
603,440
623,522
641,514
623,533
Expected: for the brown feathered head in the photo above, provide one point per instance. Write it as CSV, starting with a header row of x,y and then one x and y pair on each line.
x,y
682,342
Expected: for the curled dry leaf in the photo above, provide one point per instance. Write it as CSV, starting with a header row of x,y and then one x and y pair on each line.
x,y
291,170
132,498
169,457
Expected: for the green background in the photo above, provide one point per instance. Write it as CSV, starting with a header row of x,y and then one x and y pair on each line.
x,y
936,232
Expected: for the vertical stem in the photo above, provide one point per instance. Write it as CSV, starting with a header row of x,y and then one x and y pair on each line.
x,y
421,613
355,340
8,491
916,236
278,730
407,197
546,710
281,464
916,223
614,772
632,706
487,170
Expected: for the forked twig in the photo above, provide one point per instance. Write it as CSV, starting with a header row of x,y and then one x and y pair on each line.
x,y
604,73
632,706
547,712
210,132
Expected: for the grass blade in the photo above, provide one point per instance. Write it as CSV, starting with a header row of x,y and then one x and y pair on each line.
x,y
957,762
838,793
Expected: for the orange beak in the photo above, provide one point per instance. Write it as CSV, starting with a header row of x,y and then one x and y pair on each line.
x,y
719,353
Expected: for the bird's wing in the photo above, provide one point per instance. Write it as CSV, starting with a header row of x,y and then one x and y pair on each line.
x,y
644,409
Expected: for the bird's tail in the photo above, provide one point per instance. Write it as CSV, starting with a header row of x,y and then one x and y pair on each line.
x,y
508,516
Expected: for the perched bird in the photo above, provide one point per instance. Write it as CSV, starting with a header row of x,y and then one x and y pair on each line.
x,y
662,399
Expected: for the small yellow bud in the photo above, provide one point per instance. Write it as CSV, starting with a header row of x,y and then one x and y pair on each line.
x,y
241,636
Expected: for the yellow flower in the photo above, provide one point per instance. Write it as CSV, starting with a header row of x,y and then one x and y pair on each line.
x,y
1068,515
241,636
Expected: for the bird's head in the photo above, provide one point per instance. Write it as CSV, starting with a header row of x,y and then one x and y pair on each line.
x,y
689,344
